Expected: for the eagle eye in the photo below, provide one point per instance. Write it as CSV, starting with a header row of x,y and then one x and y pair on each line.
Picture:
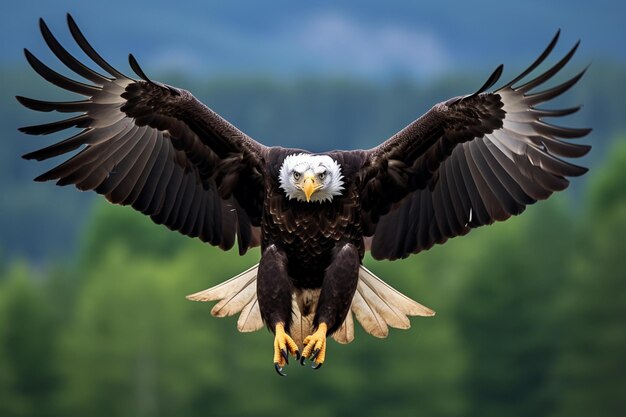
x,y
296,175
321,176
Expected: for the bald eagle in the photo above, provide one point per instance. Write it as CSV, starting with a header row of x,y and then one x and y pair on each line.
x,y
467,162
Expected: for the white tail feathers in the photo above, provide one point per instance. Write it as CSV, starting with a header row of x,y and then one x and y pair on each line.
x,y
345,333
235,295
302,324
376,305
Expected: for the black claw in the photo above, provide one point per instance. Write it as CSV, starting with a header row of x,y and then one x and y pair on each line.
x,y
315,353
302,359
316,367
297,355
284,354
279,370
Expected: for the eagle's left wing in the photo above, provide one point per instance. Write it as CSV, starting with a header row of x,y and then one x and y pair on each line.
x,y
153,147
468,162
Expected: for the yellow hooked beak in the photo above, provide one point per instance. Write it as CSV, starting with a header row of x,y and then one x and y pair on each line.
x,y
309,185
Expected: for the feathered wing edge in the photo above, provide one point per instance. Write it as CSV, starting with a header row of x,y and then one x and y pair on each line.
x,y
149,146
376,305
471,161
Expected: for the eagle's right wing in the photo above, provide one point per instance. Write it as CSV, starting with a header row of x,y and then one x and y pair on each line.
x,y
153,147
469,162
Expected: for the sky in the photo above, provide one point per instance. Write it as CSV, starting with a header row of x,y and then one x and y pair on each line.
x,y
366,39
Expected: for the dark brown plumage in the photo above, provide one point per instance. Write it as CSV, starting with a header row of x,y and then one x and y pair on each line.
x,y
466,163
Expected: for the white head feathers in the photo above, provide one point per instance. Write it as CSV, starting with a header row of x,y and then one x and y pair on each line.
x,y
321,171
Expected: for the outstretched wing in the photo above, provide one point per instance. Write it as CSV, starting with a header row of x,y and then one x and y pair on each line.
x,y
469,162
153,147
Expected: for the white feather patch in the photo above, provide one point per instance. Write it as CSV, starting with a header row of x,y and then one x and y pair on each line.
x,y
250,318
368,316
301,324
235,295
376,305
345,334
331,186
392,296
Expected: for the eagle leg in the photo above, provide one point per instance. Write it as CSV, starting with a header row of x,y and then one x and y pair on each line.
x,y
274,296
315,347
283,346
340,282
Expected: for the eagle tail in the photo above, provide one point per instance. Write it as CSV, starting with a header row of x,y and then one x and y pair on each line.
x,y
301,324
376,305
238,294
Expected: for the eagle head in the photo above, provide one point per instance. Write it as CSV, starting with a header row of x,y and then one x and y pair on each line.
x,y
307,177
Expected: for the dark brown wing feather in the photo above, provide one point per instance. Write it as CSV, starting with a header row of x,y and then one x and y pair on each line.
x,y
153,147
469,162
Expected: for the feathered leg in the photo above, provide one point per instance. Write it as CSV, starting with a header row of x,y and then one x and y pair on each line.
x,y
340,282
274,294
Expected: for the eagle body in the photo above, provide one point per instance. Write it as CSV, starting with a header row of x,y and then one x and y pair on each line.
x,y
309,232
466,163
311,237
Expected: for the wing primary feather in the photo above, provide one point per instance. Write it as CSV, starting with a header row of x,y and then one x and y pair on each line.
x,y
84,158
88,136
553,113
60,106
559,131
554,165
549,73
566,149
535,64
512,188
493,78
59,148
57,79
82,120
68,59
491,179
531,188
89,50
540,97
135,66
103,169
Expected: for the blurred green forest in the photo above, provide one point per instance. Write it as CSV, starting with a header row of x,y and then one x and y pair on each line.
x,y
530,322
93,319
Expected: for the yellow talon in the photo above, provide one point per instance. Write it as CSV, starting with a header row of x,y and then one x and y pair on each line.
x,y
315,346
283,346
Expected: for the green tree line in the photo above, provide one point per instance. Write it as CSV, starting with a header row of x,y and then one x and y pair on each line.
x,y
531,316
